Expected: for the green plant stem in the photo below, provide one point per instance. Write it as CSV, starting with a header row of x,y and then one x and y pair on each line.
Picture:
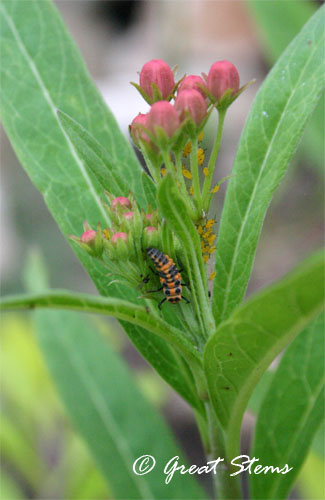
x,y
176,170
212,161
195,176
226,487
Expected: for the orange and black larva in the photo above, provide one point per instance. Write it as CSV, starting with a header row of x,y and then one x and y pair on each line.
x,y
170,277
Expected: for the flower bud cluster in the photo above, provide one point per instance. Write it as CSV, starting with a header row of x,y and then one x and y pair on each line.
x,y
163,125
122,246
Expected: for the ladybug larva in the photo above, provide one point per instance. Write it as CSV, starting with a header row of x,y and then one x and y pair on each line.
x,y
169,275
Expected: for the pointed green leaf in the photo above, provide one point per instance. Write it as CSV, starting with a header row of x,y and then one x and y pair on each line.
x,y
279,22
42,71
150,189
95,158
117,308
269,139
176,214
291,413
244,346
109,411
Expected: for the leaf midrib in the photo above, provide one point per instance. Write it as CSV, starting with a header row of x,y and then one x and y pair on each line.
x,y
303,420
109,421
238,407
269,149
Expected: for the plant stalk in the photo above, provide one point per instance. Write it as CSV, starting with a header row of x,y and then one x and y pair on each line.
x,y
212,161
227,487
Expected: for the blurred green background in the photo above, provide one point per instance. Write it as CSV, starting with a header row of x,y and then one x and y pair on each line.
x,y
41,454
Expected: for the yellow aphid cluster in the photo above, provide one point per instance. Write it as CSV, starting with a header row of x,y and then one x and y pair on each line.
x,y
207,239
200,159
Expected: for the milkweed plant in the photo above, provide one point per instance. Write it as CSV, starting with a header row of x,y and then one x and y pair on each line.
x,y
172,271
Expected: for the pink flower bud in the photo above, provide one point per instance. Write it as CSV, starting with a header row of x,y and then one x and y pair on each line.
x,y
162,114
128,215
158,72
192,102
222,76
120,201
136,132
116,236
88,237
149,216
192,82
150,229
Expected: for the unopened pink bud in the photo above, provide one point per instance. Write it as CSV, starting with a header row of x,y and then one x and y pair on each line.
x,y
159,73
163,114
222,76
128,215
120,201
88,236
137,133
116,236
191,102
150,229
149,216
193,82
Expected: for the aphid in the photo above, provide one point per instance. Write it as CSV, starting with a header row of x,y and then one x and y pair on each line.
x,y
170,277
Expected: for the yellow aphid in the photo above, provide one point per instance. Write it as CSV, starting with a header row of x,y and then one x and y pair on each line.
x,y
186,173
212,249
200,138
206,171
209,224
207,234
215,189
200,230
187,149
200,156
191,190
205,258
106,234
211,239
163,171
212,275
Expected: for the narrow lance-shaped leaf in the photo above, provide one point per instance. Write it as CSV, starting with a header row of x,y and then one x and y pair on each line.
x,y
243,347
39,76
270,137
107,408
95,158
175,212
291,413
279,22
116,308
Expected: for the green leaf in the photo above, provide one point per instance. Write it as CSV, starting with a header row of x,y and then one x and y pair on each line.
x,y
291,412
94,157
176,214
244,346
278,22
116,308
149,188
42,71
109,411
269,139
